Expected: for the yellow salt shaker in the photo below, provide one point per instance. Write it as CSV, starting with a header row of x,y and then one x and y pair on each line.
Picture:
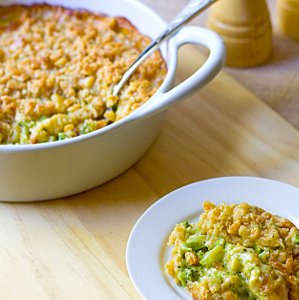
x,y
245,28
288,17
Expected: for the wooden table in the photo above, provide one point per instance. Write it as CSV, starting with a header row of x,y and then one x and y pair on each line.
x,y
74,248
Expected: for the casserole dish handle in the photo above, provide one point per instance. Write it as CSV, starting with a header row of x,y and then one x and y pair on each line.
x,y
210,68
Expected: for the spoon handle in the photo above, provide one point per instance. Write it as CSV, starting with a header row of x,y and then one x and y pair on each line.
x,y
189,12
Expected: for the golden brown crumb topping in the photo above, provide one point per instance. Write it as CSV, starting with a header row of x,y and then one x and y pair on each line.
x,y
236,251
57,70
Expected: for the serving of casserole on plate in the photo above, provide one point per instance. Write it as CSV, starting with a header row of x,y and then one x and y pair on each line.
x,y
236,251
57,70
247,249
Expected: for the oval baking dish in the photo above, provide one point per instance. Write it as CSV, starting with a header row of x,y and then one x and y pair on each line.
x,y
61,168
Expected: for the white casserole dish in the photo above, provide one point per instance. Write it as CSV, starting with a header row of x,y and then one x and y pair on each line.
x,y
59,169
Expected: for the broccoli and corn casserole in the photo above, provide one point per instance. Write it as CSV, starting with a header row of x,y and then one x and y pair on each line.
x,y
57,70
236,252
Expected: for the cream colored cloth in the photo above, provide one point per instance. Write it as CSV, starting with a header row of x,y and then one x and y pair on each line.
x,y
276,82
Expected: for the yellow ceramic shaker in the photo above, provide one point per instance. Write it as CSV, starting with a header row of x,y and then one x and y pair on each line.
x,y
246,29
288,17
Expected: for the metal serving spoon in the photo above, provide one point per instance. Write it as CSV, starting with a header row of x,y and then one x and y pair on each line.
x,y
189,12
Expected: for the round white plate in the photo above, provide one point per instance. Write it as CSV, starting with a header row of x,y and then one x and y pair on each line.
x,y
147,252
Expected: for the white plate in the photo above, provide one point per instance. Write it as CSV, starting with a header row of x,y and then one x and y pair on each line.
x,y
146,249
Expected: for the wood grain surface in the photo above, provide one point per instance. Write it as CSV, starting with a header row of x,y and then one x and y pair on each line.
x,y
74,248
277,81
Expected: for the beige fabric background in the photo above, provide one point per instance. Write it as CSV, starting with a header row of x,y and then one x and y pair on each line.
x,y
277,82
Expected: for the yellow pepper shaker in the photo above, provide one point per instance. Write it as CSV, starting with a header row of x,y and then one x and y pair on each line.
x,y
245,28
288,17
